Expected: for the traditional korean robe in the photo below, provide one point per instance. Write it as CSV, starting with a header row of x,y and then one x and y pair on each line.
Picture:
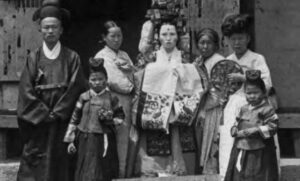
x,y
165,146
210,116
95,136
250,60
120,81
253,158
47,85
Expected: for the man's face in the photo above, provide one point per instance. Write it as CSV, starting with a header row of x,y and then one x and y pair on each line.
x,y
51,30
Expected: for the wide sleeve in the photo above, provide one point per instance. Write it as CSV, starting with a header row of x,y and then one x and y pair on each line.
x,y
234,129
75,120
147,34
270,123
261,65
30,108
64,107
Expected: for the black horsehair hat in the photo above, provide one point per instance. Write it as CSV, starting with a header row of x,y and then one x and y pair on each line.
x,y
52,9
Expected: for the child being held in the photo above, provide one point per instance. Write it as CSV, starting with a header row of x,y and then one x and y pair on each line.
x,y
91,129
253,156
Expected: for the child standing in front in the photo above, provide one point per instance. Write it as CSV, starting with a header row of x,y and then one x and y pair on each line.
x,y
253,156
91,131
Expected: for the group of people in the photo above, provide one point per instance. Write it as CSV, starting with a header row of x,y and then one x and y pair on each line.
x,y
166,119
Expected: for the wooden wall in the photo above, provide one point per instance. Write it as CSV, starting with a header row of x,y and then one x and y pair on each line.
x,y
277,29
18,36
210,14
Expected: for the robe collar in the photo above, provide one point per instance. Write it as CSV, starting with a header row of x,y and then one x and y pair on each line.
x,y
245,55
110,50
173,57
258,105
93,93
54,53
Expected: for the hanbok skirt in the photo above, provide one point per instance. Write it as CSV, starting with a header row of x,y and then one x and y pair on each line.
x,y
178,156
91,165
253,165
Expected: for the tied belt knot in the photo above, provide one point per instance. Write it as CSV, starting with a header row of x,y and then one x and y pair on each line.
x,y
40,88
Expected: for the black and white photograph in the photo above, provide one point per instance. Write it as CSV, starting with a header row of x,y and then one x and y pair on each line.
x,y
149,90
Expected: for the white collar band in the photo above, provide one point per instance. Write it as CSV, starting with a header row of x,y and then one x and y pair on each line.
x,y
52,54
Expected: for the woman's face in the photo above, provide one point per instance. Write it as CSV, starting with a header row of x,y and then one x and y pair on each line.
x,y
168,37
206,46
239,42
114,38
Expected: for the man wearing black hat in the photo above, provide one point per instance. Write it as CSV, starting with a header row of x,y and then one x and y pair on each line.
x,y
51,81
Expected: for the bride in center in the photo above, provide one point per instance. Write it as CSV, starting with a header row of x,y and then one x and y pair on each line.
x,y
168,98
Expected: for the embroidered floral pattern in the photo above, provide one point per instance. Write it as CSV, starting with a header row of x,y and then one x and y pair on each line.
x,y
219,76
158,143
105,115
187,139
156,111
185,107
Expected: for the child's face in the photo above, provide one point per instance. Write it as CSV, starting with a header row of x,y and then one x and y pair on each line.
x,y
239,42
254,94
206,46
97,81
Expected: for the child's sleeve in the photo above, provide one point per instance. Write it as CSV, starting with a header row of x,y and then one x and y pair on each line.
x,y
270,123
234,129
118,111
75,119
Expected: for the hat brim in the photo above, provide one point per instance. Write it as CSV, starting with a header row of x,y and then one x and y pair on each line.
x,y
66,15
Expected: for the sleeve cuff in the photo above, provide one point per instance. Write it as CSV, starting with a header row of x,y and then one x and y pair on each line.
x,y
264,130
70,134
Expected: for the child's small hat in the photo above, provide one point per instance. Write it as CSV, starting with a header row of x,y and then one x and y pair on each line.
x,y
253,75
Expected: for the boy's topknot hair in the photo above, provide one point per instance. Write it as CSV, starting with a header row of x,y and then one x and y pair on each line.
x,y
96,65
253,77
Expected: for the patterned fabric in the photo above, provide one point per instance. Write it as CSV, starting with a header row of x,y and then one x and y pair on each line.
x,y
185,108
158,143
156,109
219,77
168,83
187,138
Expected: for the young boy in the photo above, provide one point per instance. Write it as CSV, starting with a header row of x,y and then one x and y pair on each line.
x,y
253,156
94,117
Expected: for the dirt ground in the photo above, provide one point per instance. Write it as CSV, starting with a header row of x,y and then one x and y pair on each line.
x,y
8,171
